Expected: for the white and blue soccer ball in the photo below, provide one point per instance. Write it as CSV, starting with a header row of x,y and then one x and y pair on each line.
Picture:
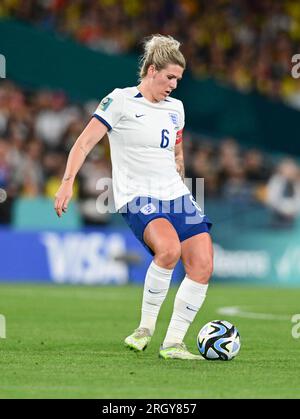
x,y
219,340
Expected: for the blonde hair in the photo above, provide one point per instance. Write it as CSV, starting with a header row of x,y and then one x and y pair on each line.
x,y
160,51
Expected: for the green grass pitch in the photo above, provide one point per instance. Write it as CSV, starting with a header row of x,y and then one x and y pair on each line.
x,y
67,342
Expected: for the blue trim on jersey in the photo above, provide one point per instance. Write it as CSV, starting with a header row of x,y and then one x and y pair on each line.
x,y
187,220
166,100
103,121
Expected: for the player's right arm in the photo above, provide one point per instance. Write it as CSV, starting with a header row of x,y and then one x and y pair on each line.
x,y
91,135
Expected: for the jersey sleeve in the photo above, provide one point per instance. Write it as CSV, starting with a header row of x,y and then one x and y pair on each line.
x,y
181,124
110,109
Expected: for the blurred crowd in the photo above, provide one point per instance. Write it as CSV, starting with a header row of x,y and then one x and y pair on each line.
x,y
38,129
247,44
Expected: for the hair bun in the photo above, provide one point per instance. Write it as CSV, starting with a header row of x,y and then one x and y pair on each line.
x,y
160,51
160,41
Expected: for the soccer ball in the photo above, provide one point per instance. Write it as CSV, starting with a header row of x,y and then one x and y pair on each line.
x,y
219,340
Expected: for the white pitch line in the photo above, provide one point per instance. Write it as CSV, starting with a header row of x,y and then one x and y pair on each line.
x,y
239,312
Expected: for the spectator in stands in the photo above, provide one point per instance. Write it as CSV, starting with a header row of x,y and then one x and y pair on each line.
x,y
7,188
52,121
201,165
228,159
97,168
257,169
31,171
283,194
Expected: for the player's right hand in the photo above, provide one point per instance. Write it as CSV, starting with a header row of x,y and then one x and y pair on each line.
x,y
62,198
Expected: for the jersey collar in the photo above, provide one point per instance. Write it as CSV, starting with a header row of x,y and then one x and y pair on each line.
x,y
139,94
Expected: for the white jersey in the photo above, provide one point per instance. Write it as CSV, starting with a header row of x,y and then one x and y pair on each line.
x,y
142,138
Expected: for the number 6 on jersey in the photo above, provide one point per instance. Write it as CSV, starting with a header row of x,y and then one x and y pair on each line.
x,y
164,139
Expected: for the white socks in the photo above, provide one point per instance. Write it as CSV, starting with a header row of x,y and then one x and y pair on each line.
x,y
156,287
189,298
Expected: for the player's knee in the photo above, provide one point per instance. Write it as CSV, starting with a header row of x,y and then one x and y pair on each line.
x,y
200,271
168,256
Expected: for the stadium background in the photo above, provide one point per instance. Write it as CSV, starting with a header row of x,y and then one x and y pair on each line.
x,y
242,111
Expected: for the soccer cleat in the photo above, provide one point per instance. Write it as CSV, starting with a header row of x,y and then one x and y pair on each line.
x,y
139,339
178,351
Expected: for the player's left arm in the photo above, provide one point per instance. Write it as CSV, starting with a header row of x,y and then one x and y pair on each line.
x,y
179,158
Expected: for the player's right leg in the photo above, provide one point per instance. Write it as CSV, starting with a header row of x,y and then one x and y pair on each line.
x,y
197,257
161,237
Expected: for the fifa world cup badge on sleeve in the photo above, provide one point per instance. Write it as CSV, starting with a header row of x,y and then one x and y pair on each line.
x,y
105,103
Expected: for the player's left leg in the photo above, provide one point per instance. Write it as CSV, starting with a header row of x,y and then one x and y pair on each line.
x,y
197,257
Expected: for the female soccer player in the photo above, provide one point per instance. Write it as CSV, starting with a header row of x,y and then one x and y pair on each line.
x,y
144,126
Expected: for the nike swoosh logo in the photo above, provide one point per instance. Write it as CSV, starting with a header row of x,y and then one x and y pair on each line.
x,y
189,308
138,116
154,292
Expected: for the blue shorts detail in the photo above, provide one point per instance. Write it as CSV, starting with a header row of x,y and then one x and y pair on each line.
x,y
183,213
